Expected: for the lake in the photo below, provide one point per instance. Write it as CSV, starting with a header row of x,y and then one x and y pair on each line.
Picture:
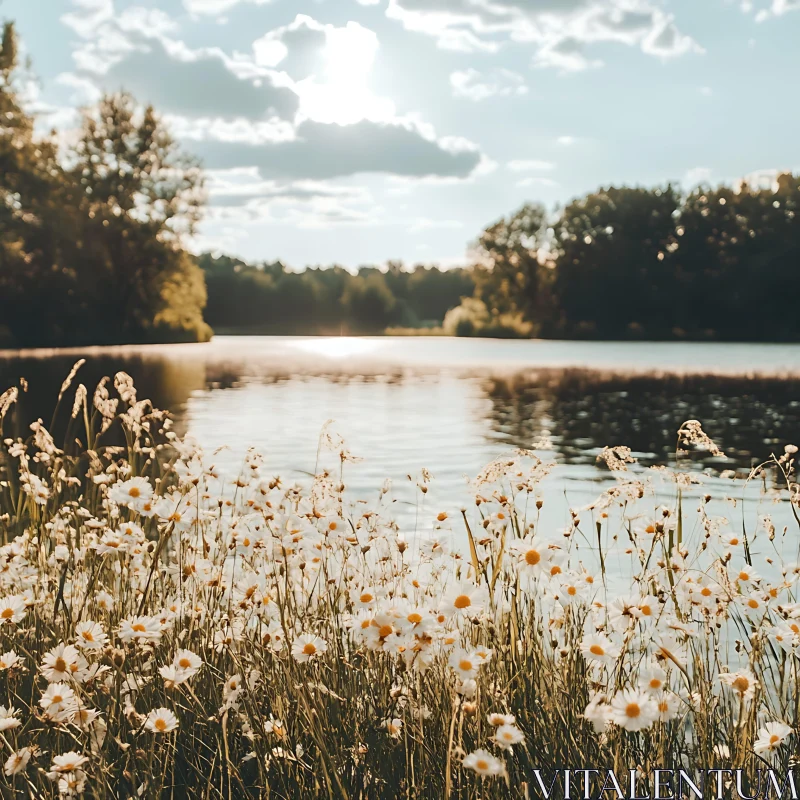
x,y
448,405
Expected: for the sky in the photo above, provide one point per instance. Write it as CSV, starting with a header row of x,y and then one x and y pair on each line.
x,y
359,131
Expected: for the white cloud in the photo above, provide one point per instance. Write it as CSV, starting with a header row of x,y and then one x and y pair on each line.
x,y
566,141
476,86
329,68
529,165
777,8
298,108
558,30
201,7
695,177
546,182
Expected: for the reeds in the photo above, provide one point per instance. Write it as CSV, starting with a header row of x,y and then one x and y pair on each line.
x,y
168,631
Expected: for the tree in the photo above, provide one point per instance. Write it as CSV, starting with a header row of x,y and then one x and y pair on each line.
x,y
35,222
513,280
612,265
139,196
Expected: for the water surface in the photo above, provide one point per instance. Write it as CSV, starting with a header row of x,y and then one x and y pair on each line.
x,y
449,405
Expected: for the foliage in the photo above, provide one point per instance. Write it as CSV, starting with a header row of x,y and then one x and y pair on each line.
x,y
268,298
720,263
90,238
170,631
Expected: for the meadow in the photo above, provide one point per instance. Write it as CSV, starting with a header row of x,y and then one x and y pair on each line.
x,y
168,630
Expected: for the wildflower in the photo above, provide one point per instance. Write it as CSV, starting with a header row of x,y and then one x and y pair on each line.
x,y
501,719
506,736
140,629
134,493
90,635
598,647
484,763
771,737
393,727
12,609
59,663
533,556
9,660
18,761
188,662
598,712
161,720
652,679
746,574
68,762
57,698
667,705
743,682
633,710
9,718
465,664
465,598
308,646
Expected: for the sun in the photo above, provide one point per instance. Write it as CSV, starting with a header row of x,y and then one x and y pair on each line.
x,y
341,94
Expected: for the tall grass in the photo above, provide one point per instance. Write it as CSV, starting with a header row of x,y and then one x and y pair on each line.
x,y
169,632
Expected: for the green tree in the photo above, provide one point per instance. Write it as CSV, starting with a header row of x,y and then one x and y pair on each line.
x,y
511,279
612,267
139,196
36,223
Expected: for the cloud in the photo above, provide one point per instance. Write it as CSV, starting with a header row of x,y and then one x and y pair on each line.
x,y
529,165
695,177
558,30
321,152
201,7
196,84
329,68
547,182
298,108
777,8
476,86
566,141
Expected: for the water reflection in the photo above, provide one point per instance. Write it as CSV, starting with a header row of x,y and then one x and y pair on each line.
x,y
447,405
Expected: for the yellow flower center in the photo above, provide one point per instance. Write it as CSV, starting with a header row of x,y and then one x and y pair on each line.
x,y
596,650
309,649
134,491
366,598
464,665
60,665
139,628
462,601
7,613
482,764
741,684
414,618
184,663
632,710
160,724
532,557
384,631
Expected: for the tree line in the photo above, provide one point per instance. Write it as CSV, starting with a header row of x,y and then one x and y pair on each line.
x,y
717,263
269,298
93,236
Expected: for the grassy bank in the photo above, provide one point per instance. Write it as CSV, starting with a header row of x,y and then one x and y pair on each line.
x,y
167,631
